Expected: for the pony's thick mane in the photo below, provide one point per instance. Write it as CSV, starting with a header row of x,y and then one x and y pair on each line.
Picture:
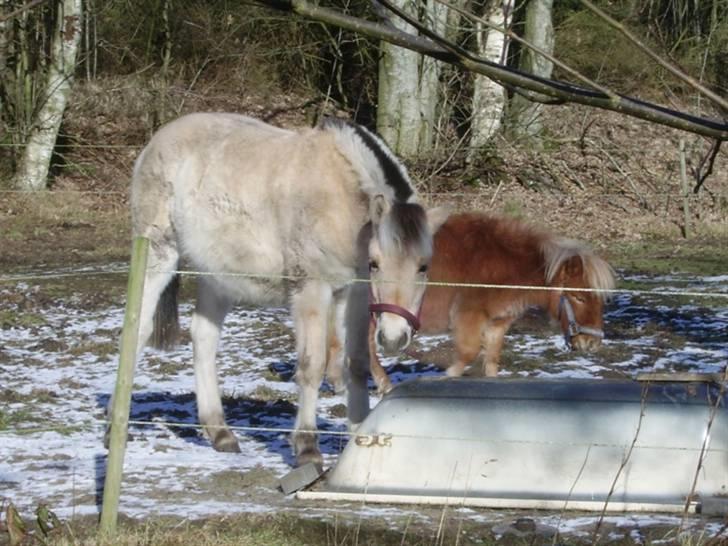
x,y
378,168
597,273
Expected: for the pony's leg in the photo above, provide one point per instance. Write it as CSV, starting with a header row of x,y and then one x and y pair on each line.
x,y
493,335
206,326
311,308
379,374
466,335
161,264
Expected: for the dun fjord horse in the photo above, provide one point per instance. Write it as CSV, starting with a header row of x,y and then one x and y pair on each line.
x,y
472,248
274,215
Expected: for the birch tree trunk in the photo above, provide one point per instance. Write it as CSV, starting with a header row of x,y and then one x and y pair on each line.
x,y
539,31
4,42
489,97
398,93
35,162
430,86
409,84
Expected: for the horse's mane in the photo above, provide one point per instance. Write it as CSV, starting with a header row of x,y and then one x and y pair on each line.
x,y
598,274
379,170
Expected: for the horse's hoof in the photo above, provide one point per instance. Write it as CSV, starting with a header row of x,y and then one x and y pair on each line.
x,y
225,442
310,455
305,446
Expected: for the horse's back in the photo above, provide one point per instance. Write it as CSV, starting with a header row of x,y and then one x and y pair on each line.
x,y
239,195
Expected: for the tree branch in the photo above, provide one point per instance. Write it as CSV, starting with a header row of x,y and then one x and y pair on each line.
x,y
26,7
505,75
513,36
718,100
710,158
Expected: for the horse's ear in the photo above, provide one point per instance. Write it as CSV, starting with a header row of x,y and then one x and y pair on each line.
x,y
436,217
378,207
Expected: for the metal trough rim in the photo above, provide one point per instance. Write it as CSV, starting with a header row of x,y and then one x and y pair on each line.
x,y
497,502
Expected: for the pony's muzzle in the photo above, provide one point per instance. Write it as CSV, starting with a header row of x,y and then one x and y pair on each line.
x,y
585,343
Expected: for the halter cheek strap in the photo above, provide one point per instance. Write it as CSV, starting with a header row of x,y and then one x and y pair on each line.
x,y
378,308
574,328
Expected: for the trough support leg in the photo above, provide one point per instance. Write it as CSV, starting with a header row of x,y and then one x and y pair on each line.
x,y
122,391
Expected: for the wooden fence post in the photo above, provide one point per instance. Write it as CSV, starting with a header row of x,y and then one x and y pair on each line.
x,y
122,391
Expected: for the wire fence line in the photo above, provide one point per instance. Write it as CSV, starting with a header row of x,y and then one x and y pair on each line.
x,y
85,272
424,194
102,423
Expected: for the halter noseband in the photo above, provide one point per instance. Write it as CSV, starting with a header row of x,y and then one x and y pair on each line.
x,y
574,328
378,308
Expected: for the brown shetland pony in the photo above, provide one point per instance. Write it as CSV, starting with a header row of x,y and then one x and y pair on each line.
x,y
479,249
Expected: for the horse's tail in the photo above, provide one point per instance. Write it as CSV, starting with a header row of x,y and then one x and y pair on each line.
x,y
166,319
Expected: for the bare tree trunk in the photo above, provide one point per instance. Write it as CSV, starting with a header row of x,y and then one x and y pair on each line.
x,y
397,109
539,31
409,85
35,163
489,97
430,87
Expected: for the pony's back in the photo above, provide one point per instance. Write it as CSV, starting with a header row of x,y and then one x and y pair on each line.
x,y
476,248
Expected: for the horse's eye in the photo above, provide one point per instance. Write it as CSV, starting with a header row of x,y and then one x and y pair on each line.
x,y
422,270
580,299
373,266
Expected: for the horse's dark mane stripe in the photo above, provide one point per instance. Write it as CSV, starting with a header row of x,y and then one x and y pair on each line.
x,y
392,171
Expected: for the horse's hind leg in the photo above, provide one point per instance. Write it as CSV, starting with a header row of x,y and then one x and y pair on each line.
x,y
207,322
311,309
161,265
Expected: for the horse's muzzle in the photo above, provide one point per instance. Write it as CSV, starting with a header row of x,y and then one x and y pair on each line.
x,y
392,346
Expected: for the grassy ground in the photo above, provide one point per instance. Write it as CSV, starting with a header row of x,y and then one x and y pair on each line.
x,y
276,530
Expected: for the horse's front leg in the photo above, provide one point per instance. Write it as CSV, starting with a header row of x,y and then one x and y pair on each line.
x,y
311,308
206,326
335,357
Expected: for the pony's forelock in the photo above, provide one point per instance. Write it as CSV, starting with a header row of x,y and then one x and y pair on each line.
x,y
598,274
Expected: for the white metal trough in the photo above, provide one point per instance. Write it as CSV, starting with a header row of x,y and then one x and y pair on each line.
x,y
527,443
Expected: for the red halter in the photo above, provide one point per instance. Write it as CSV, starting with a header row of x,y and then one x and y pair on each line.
x,y
378,308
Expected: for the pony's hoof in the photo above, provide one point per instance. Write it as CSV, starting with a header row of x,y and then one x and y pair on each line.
x,y
225,441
